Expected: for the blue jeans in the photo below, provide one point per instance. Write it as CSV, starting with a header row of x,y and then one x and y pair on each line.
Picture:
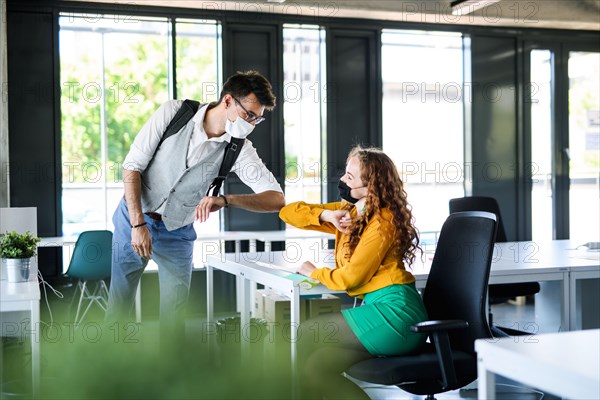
x,y
171,250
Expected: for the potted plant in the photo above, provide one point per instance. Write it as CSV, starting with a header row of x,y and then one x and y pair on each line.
x,y
16,250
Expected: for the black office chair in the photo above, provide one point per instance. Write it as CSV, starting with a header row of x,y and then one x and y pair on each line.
x,y
498,293
455,298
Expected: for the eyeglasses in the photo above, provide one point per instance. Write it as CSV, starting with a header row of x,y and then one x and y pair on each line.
x,y
250,116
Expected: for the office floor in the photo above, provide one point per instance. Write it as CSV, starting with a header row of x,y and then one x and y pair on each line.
x,y
75,365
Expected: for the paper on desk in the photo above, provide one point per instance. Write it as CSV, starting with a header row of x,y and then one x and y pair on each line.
x,y
303,281
587,255
274,266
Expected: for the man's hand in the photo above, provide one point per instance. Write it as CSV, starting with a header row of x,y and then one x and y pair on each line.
x,y
341,219
207,205
141,241
306,268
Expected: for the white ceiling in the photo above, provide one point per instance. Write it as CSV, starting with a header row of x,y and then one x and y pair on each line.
x,y
557,14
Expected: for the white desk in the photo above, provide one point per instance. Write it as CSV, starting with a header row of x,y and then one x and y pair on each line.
x,y
512,262
207,244
58,241
264,236
552,261
288,235
557,260
245,266
207,239
25,296
252,236
566,364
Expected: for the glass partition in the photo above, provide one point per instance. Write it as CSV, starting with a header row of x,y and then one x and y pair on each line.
x,y
304,112
423,114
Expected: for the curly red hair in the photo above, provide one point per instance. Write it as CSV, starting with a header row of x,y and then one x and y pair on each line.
x,y
385,190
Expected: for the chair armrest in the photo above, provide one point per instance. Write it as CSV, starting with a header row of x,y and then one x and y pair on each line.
x,y
438,331
438,325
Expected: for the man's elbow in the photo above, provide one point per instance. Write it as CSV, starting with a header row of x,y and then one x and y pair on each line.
x,y
278,201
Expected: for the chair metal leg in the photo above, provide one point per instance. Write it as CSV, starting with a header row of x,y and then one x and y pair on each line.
x,y
82,286
98,296
103,296
91,297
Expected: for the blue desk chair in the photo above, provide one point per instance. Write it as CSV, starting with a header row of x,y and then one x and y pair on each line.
x,y
91,262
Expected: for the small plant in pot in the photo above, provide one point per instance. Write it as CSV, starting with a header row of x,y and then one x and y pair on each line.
x,y
16,250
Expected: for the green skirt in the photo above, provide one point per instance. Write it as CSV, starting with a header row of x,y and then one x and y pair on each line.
x,y
382,322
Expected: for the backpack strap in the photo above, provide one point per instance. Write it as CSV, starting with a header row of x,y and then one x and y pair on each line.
x,y
232,151
185,113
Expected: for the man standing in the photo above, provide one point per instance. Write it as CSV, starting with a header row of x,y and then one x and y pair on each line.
x,y
166,190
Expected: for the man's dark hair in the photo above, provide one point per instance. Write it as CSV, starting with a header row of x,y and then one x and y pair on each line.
x,y
241,84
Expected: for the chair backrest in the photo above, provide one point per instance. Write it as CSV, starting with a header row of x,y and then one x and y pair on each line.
x,y
92,256
457,284
480,203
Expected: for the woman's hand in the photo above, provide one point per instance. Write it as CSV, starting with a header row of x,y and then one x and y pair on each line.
x,y
306,268
341,219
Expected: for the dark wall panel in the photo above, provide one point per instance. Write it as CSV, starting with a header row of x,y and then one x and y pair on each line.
x,y
252,47
33,132
34,158
494,108
353,98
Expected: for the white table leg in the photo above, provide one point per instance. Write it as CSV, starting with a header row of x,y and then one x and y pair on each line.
x,y
211,327
252,246
245,321
294,326
565,308
238,281
138,302
210,316
35,347
487,382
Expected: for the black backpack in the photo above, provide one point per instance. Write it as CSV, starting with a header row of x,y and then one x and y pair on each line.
x,y
232,150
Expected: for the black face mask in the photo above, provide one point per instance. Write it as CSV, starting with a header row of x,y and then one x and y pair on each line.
x,y
345,192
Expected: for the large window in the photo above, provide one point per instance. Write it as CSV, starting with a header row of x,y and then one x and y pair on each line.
x,y
551,152
115,73
423,131
304,112
541,100
198,57
584,146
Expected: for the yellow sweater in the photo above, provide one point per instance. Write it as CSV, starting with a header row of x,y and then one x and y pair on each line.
x,y
375,263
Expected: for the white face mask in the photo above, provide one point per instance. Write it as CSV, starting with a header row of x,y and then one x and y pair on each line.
x,y
240,128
